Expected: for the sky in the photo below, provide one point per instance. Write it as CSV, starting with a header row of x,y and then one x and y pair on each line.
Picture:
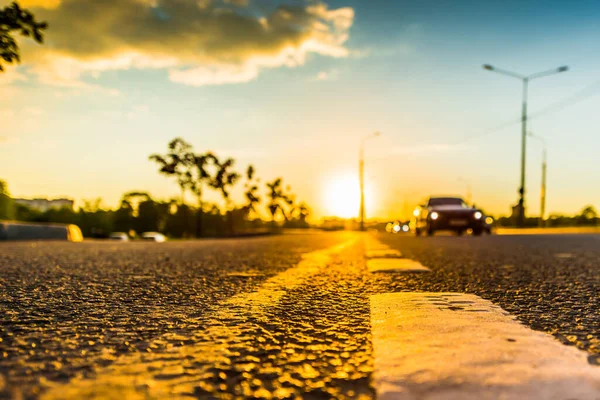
x,y
293,86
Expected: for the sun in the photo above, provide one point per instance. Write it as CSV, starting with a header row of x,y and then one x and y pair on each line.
x,y
342,195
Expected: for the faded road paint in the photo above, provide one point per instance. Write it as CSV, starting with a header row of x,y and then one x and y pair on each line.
x,y
395,265
383,253
181,371
460,346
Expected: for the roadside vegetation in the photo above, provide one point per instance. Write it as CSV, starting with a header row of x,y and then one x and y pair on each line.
x,y
264,207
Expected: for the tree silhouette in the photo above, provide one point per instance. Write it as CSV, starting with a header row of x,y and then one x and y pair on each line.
x,y
251,189
178,162
225,178
279,199
123,217
14,18
6,203
201,177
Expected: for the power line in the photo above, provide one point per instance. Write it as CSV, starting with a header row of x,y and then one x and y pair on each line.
x,y
560,105
578,97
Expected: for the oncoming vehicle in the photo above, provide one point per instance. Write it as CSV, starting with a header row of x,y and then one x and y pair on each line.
x,y
448,214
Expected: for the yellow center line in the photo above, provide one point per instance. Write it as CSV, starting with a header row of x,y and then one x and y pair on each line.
x,y
180,370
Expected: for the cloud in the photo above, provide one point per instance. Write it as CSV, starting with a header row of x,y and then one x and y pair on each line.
x,y
202,42
11,75
327,75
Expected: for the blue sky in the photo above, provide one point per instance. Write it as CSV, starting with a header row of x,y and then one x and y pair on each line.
x,y
409,69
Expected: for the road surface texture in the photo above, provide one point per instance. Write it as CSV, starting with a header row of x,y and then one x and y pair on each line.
x,y
274,317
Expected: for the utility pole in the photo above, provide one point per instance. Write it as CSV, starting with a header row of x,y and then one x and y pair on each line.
x,y
521,216
543,195
361,175
543,189
525,80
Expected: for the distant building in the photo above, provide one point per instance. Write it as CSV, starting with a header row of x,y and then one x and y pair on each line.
x,y
44,205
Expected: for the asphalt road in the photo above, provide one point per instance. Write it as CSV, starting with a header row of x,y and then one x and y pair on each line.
x,y
276,317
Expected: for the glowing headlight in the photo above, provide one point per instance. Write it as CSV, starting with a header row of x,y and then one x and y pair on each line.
x,y
396,228
478,215
405,228
416,212
489,220
434,215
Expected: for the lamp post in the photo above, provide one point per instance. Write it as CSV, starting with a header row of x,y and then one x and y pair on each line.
x,y
361,174
525,80
543,190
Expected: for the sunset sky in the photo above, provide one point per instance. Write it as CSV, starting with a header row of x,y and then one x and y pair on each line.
x,y
292,87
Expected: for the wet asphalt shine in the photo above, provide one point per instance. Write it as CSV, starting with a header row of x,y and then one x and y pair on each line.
x,y
279,317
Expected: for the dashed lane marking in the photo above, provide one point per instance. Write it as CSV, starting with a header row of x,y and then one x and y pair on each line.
x,y
181,370
384,253
459,346
395,265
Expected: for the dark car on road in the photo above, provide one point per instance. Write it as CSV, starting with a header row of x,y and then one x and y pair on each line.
x,y
447,214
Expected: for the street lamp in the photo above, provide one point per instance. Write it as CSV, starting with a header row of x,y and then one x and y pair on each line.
x,y
525,80
361,173
543,190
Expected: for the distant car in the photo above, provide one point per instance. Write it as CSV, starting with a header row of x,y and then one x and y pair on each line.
x,y
154,237
448,214
119,236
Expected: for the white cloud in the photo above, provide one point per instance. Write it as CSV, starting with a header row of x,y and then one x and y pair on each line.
x,y
11,75
212,42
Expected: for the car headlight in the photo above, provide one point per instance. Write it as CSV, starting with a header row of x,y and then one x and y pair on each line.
x,y
434,215
478,215
489,220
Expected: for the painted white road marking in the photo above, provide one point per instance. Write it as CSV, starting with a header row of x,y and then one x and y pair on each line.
x,y
383,253
372,244
395,265
139,376
457,346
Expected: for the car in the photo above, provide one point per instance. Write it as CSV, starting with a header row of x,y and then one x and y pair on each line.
x,y
154,237
447,214
488,224
119,236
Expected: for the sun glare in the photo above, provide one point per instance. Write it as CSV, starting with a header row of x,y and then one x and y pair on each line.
x,y
342,196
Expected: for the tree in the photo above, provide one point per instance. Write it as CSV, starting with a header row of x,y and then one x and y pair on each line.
x,y
251,189
178,162
587,216
225,178
201,177
14,18
279,199
298,217
6,204
123,217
